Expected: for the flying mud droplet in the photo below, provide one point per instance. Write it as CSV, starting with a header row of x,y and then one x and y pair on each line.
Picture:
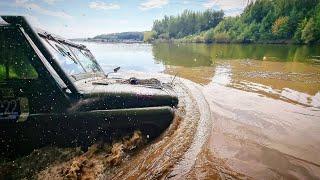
x,y
96,160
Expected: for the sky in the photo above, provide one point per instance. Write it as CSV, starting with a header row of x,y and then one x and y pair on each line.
x,y
88,18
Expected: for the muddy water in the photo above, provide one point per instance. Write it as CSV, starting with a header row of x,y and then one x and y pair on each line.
x,y
241,119
264,125
265,113
245,111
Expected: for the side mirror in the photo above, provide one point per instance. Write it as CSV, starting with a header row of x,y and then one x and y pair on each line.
x,y
116,69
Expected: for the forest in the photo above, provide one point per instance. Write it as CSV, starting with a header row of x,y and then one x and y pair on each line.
x,y
262,21
119,37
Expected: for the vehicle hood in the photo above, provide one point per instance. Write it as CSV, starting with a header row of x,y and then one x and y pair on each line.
x,y
99,96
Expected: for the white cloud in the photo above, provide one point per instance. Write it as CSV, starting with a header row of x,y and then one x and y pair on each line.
x,y
227,5
103,6
35,7
151,4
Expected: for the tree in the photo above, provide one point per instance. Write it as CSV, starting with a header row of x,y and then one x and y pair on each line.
x,y
309,33
222,37
189,22
149,36
317,22
209,36
261,20
256,11
266,26
280,27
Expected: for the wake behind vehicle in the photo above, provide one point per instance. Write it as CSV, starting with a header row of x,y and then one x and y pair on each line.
x,y
53,91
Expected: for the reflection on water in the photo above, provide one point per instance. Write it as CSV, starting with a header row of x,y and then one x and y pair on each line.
x,y
290,73
290,81
181,55
193,55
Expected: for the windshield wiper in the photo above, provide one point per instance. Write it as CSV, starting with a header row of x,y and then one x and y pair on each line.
x,y
61,50
76,58
65,52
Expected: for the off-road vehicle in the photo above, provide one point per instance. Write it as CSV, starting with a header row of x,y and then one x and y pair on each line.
x,y
53,91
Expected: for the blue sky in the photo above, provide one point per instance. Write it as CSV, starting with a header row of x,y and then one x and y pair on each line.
x,y
87,18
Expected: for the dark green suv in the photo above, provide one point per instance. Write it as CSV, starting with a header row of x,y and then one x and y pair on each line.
x,y
53,91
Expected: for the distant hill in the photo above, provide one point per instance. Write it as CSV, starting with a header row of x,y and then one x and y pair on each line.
x,y
119,37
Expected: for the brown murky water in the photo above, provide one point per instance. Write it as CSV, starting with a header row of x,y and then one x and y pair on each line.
x,y
265,121
245,112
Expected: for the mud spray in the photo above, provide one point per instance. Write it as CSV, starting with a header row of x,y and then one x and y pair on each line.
x,y
95,161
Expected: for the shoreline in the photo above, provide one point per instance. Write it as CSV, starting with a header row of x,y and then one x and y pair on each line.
x,y
112,42
278,42
177,41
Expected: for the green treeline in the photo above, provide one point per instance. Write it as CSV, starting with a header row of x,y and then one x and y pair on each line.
x,y
262,21
187,23
118,37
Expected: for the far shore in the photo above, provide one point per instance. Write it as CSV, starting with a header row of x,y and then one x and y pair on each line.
x,y
110,42
283,42
279,42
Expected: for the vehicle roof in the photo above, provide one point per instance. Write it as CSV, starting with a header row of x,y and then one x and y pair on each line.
x,y
3,23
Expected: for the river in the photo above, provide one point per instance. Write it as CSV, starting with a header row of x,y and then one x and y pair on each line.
x,y
264,103
247,111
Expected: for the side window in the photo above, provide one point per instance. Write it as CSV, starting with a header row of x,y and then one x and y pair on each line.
x,y
2,72
15,56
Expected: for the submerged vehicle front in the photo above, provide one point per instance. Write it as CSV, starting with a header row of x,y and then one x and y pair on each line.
x,y
53,91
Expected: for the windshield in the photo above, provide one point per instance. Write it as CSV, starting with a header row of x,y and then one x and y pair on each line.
x,y
74,61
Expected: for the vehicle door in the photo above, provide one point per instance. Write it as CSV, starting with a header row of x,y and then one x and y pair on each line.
x,y
25,84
